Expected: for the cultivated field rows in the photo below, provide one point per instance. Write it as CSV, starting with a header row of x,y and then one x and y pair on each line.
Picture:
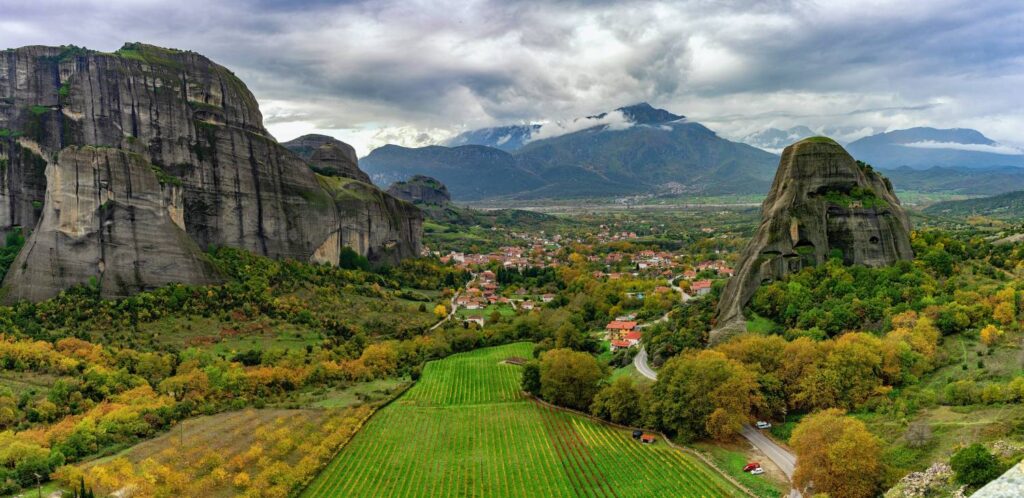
x,y
466,429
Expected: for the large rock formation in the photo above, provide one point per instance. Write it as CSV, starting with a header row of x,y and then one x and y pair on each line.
x,y
822,204
173,137
328,156
421,190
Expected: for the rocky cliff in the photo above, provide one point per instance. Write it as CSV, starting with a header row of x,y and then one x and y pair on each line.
x,y
822,204
101,151
328,156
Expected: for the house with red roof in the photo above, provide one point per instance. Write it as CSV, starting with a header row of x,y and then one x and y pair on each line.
x,y
617,344
700,287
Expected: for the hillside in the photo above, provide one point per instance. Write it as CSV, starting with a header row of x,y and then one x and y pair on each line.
x,y
926,147
1009,205
957,180
632,150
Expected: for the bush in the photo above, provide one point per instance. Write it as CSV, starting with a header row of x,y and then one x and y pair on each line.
x,y
975,465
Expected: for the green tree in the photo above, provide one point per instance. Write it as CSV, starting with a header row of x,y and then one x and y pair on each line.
x,y
975,465
531,377
570,378
620,402
704,394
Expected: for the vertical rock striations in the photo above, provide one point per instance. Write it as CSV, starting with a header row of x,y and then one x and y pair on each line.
x,y
192,126
821,204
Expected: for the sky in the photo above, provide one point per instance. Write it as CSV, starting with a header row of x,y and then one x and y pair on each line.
x,y
417,72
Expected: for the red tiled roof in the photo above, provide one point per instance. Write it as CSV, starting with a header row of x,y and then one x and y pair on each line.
x,y
617,325
632,336
621,344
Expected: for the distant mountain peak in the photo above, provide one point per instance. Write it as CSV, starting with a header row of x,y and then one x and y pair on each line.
x,y
644,113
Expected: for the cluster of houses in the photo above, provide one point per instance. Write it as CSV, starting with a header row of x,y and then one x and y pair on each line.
x,y
483,292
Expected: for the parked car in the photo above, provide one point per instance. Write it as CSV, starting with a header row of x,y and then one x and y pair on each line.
x,y
637,433
751,466
761,424
758,471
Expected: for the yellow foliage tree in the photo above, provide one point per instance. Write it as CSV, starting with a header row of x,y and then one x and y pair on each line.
x,y
440,311
837,454
1005,313
990,335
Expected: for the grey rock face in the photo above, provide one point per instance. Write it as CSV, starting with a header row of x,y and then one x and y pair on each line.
x,y
328,156
194,122
821,204
107,217
421,190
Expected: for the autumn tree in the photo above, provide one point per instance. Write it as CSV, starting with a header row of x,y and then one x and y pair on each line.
x,y
704,394
440,311
837,455
570,378
990,335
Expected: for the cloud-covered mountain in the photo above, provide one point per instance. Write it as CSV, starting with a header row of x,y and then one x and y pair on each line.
x,y
774,140
506,138
926,147
637,149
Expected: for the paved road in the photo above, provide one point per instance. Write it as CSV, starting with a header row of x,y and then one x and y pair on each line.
x,y
777,454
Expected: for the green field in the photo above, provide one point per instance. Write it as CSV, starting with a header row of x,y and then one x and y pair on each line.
x,y
466,430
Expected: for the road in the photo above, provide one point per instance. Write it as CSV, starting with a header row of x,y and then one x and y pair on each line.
x,y
785,460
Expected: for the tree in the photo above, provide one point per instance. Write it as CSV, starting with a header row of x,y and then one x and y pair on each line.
x,y
570,378
975,465
440,311
531,377
837,454
1004,313
704,394
349,259
918,434
990,335
619,402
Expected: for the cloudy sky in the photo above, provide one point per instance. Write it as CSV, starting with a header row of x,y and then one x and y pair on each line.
x,y
416,72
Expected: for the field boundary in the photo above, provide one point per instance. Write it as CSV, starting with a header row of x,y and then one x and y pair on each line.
x,y
298,490
704,458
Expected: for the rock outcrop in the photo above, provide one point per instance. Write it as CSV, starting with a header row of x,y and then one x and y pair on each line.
x,y
328,156
184,121
421,190
822,204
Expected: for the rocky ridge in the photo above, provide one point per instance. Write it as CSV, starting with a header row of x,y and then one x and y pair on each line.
x,y
822,204
124,166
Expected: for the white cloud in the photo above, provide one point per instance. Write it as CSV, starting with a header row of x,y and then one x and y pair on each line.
x,y
614,120
992,148
357,69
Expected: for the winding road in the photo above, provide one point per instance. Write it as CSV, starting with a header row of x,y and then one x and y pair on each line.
x,y
781,457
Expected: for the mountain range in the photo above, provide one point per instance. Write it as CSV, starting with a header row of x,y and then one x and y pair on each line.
x,y
631,150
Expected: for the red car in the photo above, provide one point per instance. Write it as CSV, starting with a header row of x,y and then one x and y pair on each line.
x,y
751,466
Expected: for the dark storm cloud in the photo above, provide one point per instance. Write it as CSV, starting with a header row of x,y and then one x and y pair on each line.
x,y
368,71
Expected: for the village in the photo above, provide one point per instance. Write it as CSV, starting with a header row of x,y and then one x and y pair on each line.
x,y
646,274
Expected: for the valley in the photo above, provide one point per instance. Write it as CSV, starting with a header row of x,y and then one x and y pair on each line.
x,y
407,264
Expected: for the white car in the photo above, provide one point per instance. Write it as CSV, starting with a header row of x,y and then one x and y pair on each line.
x,y
761,424
756,472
